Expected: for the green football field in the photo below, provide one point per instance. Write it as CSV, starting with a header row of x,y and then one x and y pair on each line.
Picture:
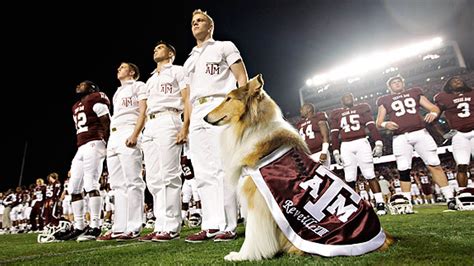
x,y
429,237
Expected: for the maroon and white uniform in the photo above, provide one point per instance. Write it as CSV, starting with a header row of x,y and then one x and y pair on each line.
x,y
87,164
39,197
53,191
426,185
396,185
404,109
67,209
459,112
362,189
415,191
452,181
189,189
350,125
315,209
309,130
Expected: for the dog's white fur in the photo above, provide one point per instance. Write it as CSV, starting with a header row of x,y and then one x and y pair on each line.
x,y
256,128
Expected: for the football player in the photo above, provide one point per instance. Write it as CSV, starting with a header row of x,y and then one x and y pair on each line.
x,y
409,133
457,102
314,129
91,116
349,123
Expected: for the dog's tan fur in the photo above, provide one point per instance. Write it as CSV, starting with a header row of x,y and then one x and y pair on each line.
x,y
256,128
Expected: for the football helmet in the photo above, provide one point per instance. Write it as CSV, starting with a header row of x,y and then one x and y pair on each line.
x,y
399,204
465,200
150,224
50,232
194,220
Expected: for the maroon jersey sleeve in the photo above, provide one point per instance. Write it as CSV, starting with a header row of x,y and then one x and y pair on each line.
x,y
404,109
458,108
88,125
309,130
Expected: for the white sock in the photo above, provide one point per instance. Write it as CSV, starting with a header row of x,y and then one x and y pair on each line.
x,y
78,211
447,192
95,207
183,214
378,197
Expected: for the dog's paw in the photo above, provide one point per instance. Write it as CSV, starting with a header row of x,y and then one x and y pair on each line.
x,y
234,256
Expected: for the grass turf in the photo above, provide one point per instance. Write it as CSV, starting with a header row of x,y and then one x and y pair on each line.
x,y
430,237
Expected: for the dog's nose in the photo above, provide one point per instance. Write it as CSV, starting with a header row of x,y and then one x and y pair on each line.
x,y
206,119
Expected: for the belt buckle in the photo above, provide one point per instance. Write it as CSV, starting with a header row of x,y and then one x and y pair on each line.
x,y
114,129
202,100
152,116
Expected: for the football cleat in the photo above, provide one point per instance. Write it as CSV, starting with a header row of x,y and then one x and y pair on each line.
x,y
89,234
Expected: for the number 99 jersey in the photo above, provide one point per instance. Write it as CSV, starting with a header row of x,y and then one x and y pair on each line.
x,y
458,108
404,109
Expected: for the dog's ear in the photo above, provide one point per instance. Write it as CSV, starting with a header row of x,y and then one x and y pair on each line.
x,y
255,85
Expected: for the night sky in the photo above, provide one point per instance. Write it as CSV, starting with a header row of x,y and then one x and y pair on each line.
x,y
49,48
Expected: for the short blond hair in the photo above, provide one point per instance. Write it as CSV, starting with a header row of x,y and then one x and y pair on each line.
x,y
204,13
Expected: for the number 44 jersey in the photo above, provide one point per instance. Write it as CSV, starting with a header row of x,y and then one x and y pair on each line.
x,y
309,130
458,108
404,109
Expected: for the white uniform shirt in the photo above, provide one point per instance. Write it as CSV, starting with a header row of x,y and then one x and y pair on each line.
x,y
125,102
208,69
163,90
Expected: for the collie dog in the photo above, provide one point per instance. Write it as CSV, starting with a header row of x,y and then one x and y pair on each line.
x,y
291,204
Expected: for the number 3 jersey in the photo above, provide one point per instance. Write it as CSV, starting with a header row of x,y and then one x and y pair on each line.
x,y
350,124
309,130
404,109
458,108
88,126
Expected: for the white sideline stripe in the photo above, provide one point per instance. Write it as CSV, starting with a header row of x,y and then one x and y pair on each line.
x,y
23,258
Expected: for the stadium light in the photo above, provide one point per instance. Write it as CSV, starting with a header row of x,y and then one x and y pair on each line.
x,y
364,64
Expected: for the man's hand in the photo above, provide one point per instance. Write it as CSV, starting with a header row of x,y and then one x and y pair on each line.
x,y
378,149
430,117
182,136
390,125
131,141
337,157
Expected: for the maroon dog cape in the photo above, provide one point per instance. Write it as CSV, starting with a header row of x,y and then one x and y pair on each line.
x,y
315,209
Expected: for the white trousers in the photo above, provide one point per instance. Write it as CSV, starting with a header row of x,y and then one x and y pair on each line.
x,y
422,142
163,169
86,167
125,165
357,153
218,197
463,147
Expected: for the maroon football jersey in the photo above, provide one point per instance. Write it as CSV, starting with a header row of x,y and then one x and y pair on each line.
x,y
39,193
53,190
309,130
88,126
404,109
425,180
458,108
351,123
187,168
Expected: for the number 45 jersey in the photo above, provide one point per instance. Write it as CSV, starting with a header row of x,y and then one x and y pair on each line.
x,y
458,108
350,123
404,109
